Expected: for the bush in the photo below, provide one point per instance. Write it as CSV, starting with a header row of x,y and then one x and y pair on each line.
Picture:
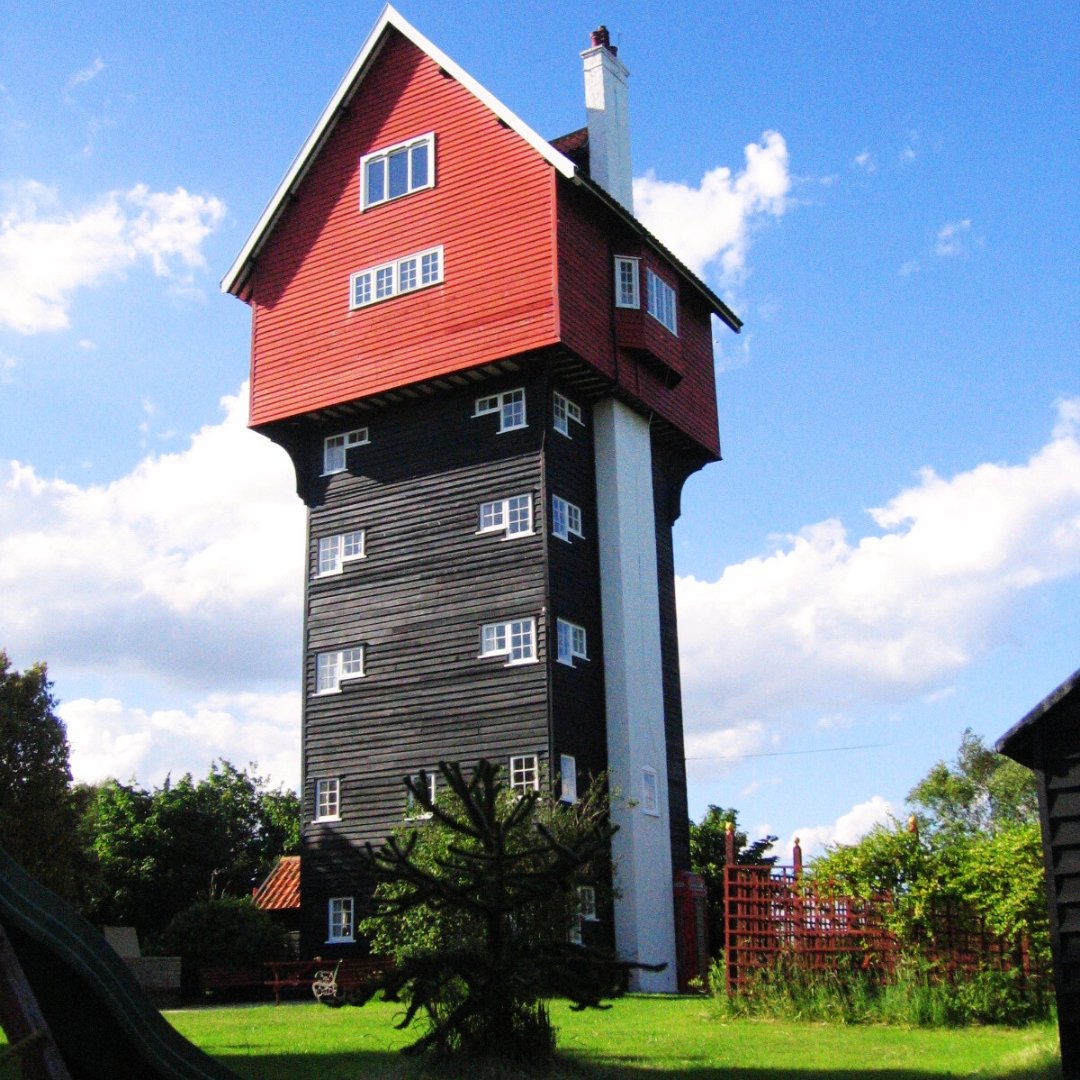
x,y
229,931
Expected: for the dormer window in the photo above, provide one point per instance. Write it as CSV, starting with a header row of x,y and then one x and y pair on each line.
x,y
397,170
627,287
660,297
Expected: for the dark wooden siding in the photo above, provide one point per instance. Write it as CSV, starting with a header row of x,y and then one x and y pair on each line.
x,y
492,209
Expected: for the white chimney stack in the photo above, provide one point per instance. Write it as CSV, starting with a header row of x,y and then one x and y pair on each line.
x,y
607,107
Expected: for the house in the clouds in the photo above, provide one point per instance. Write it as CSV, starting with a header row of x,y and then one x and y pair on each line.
x,y
492,382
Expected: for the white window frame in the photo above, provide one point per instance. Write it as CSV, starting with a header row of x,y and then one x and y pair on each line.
x,y
398,277
565,518
563,411
514,638
567,778
328,793
336,449
511,516
511,418
571,642
332,552
650,791
525,772
587,903
661,301
383,155
340,923
627,282
337,666
414,811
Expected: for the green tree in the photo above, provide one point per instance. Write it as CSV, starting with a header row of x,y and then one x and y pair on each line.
x,y
477,905
37,814
160,851
708,857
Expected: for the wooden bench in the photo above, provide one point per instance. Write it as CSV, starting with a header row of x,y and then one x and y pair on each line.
x,y
231,977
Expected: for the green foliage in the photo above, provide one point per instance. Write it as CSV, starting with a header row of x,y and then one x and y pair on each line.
x,y
476,905
38,821
159,851
708,857
224,931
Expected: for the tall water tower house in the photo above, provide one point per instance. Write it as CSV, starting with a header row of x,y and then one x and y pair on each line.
x,y
493,382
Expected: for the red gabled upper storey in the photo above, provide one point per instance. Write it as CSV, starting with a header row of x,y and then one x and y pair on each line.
x,y
523,245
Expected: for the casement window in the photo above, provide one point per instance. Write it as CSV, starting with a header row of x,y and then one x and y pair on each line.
x,y
563,412
586,911
335,551
341,927
627,287
525,773
516,640
660,297
328,799
335,448
511,516
565,518
510,405
397,170
650,792
571,639
333,668
567,778
390,279
414,809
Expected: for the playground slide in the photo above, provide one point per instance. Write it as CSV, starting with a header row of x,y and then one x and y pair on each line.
x,y
105,1026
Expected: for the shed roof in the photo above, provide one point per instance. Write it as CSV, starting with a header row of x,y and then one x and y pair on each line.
x,y
281,889
1017,742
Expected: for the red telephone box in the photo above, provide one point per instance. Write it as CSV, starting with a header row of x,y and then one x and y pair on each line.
x,y
691,932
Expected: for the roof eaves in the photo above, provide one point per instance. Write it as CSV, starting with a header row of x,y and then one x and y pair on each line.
x,y
719,307
237,274
1014,740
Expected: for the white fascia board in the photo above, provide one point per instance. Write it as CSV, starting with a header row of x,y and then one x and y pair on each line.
x,y
389,18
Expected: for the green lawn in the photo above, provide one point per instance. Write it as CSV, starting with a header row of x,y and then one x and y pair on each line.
x,y
640,1037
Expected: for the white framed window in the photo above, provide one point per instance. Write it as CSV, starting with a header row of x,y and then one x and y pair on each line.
x,y
511,516
333,668
660,301
340,919
565,518
510,405
525,773
404,275
414,809
397,170
335,447
627,287
571,639
335,551
650,792
563,411
328,799
567,778
515,639
586,911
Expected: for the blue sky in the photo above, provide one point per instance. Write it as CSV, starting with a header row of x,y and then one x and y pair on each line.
x,y
890,551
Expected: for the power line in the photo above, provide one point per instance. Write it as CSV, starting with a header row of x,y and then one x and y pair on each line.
x,y
788,753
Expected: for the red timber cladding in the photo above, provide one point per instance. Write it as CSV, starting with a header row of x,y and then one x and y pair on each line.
x,y
589,238
492,209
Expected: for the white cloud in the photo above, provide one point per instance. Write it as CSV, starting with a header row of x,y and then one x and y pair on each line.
x,y
108,739
846,829
909,268
47,253
189,569
91,71
710,224
950,238
865,161
826,623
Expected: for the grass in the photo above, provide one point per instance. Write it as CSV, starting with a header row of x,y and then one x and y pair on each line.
x,y
640,1038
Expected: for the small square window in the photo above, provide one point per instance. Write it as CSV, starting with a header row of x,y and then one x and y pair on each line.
x,y
567,778
328,799
563,412
525,773
414,809
335,551
340,919
510,405
511,516
571,642
335,448
627,292
650,797
516,640
565,518
333,668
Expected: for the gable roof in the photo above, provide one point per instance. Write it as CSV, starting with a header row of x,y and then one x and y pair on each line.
x,y
281,889
390,19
